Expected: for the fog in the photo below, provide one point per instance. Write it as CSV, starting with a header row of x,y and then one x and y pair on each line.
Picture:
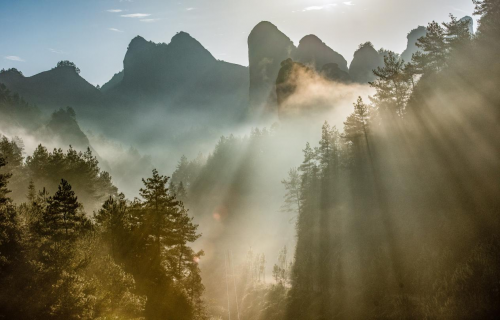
x,y
329,199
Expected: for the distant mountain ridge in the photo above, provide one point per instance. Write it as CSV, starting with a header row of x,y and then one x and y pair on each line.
x,y
314,52
365,60
184,77
53,89
268,47
181,73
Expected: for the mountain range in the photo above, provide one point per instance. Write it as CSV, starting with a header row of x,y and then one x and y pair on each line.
x,y
167,81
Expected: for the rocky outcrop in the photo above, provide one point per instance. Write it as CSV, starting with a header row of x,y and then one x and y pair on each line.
x,y
365,60
314,52
115,80
179,75
470,23
267,48
411,47
64,128
331,71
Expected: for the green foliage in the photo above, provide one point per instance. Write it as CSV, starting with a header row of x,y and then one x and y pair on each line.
x,y
439,42
66,63
3,183
399,232
14,110
80,169
292,187
62,219
55,263
392,86
489,10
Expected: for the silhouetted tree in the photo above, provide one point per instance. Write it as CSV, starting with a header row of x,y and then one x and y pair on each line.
x,y
66,63
392,86
62,218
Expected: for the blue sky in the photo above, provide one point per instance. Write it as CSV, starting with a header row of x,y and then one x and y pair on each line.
x,y
35,34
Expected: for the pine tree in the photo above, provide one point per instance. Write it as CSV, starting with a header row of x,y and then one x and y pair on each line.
x,y
31,195
112,218
10,239
3,183
292,196
439,42
489,10
181,193
356,125
432,54
62,219
392,85
163,219
170,224
12,153
308,161
456,33
326,147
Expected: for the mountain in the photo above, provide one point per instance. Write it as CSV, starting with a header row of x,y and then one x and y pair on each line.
x,y
57,88
415,34
331,71
17,117
178,76
411,47
312,51
267,48
115,80
470,23
15,112
64,127
365,60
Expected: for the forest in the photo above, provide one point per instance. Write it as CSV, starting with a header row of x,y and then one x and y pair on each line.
x,y
391,212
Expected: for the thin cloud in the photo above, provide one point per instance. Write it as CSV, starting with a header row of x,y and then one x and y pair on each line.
x,y
56,51
190,9
316,8
115,30
460,10
14,58
136,15
349,3
149,20
114,10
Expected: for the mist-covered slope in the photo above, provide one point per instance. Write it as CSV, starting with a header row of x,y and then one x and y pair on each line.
x,y
267,48
314,52
56,88
179,75
365,60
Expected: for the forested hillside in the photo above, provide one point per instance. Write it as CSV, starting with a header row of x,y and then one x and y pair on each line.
x,y
127,260
398,215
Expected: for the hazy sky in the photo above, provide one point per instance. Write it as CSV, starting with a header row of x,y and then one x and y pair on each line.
x,y
35,34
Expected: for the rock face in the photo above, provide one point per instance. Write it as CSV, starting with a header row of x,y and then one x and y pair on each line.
x,y
470,23
179,74
365,60
314,52
331,71
285,86
267,48
117,78
64,127
411,47
56,88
